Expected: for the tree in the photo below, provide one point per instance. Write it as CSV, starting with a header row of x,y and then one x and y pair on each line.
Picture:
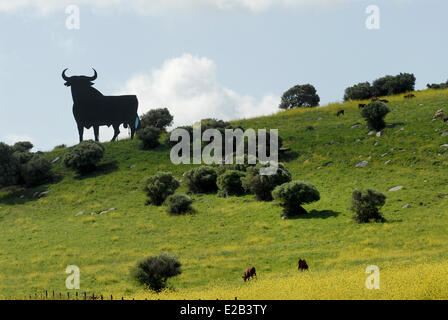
x,y
262,185
390,85
300,96
158,118
160,186
360,91
374,114
154,271
36,171
366,204
9,166
293,195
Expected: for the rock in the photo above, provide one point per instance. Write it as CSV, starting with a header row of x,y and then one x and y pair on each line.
x,y
92,213
401,129
395,188
355,126
406,206
391,149
43,194
103,212
444,145
331,142
111,209
80,213
378,134
371,133
22,196
375,144
383,155
362,164
358,140
320,118
388,161
55,160
133,166
444,134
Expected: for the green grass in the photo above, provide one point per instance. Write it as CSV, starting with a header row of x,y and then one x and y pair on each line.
x,y
40,238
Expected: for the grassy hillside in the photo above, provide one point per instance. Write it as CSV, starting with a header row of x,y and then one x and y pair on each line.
x,y
41,237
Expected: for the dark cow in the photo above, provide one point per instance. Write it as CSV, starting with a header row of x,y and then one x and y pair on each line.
x,y
92,109
340,112
302,265
362,106
384,101
445,119
409,96
249,273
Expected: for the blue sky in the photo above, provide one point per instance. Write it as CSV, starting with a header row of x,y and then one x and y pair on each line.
x,y
204,58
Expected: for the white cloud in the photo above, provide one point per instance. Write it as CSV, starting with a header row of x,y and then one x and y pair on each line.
x,y
151,6
188,86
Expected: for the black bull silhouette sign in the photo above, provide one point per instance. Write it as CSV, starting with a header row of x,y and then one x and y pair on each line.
x,y
92,109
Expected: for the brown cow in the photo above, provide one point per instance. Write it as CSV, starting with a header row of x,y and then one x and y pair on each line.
x,y
446,118
302,265
249,274
340,112
374,99
362,106
409,96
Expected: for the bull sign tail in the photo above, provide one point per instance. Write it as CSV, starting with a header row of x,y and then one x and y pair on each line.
x,y
137,123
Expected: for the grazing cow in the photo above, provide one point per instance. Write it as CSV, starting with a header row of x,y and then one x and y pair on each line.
x,y
92,109
409,96
362,106
302,265
249,273
384,101
340,112
438,114
374,99
445,119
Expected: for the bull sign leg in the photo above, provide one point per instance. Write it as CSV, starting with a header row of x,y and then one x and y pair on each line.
x,y
116,132
96,131
81,132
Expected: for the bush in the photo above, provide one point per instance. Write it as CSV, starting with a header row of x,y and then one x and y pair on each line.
x,y
360,91
84,157
9,166
154,271
23,157
36,171
262,185
390,85
24,146
150,137
230,183
374,114
366,205
293,195
201,179
179,203
158,118
437,85
160,186
300,96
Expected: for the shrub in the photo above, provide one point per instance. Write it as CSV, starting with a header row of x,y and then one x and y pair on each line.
x,y
262,185
150,137
60,146
390,85
437,85
366,205
160,186
374,114
23,157
154,271
230,184
293,195
201,179
84,157
158,118
179,203
36,171
9,166
360,91
300,96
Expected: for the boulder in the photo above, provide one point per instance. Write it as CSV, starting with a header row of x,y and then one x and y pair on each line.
x,y
80,213
395,189
362,164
